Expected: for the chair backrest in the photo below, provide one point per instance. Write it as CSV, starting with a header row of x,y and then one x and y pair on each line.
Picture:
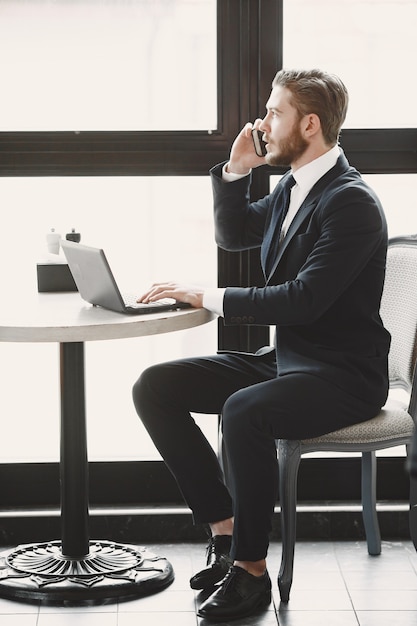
x,y
399,309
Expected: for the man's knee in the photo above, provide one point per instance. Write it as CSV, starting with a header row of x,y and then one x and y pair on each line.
x,y
145,386
162,385
237,414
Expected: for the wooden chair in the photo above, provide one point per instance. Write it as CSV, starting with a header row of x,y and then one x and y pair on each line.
x,y
392,427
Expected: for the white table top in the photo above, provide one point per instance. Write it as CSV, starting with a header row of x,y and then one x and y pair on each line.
x,y
65,317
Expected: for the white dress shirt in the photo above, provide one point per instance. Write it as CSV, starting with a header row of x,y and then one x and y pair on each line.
x,y
305,178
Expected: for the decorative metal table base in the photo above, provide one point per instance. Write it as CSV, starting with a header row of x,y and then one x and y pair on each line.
x,y
111,571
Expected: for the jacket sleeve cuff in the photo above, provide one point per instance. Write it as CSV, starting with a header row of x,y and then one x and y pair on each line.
x,y
230,177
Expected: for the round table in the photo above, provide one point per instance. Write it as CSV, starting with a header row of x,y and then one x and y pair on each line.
x,y
77,569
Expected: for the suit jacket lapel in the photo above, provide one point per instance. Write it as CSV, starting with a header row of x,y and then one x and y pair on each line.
x,y
306,209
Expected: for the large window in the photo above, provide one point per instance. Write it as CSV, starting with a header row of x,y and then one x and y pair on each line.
x,y
370,44
111,115
93,66
150,228
108,65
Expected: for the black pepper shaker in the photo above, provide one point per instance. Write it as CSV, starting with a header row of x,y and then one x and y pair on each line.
x,y
73,236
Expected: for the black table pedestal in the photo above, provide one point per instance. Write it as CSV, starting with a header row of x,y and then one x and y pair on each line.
x,y
110,572
75,569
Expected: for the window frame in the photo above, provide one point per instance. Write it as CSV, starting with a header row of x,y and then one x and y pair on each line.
x,y
249,54
242,55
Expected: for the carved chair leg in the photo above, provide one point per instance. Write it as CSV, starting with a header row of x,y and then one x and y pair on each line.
x,y
370,518
289,455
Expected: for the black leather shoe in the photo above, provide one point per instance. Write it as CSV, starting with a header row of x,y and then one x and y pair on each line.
x,y
218,563
238,595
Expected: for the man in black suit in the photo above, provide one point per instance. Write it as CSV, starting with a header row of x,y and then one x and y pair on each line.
x,y
324,265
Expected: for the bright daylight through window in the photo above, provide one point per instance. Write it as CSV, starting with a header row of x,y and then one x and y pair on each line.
x,y
105,65
108,65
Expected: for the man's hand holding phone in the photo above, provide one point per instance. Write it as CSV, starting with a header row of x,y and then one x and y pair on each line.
x,y
243,155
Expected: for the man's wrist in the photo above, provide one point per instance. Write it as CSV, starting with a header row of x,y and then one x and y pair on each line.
x,y
230,176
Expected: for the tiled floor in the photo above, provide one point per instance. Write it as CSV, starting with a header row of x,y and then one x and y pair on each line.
x,y
335,584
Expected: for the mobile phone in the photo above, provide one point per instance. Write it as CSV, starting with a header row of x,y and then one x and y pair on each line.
x,y
260,146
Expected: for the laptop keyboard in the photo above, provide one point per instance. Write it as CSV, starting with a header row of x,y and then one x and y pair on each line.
x,y
130,301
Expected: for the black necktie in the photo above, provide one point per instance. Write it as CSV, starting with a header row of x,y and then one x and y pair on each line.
x,y
274,231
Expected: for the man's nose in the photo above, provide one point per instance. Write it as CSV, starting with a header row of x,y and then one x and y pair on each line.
x,y
263,126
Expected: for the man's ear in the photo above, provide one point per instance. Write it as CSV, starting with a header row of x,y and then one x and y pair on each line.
x,y
311,125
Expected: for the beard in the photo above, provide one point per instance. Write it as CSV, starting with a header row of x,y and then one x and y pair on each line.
x,y
288,149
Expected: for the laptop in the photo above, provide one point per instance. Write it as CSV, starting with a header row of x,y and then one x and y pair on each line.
x,y
97,285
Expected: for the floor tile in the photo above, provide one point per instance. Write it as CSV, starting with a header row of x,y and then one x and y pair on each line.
x,y
99,608
318,618
77,619
312,578
18,620
181,581
317,556
158,619
165,601
386,618
10,607
314,600
381,600
380,580
393,557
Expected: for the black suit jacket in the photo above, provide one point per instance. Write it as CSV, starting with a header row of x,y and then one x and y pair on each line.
x,y
324,291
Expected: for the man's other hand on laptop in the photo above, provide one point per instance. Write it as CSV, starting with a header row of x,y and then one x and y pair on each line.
x,y
191,294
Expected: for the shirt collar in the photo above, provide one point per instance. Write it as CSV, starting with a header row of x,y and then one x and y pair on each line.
x,y
309,174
